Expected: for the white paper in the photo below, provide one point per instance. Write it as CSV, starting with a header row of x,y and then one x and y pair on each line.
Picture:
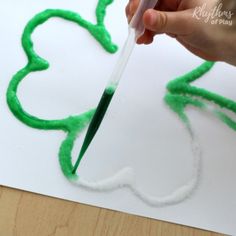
x,y
139,129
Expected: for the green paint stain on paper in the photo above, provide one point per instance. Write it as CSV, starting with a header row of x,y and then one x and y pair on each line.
x,y
181,94
72,125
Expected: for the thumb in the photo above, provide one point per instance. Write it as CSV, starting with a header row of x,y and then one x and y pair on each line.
x,y
179,22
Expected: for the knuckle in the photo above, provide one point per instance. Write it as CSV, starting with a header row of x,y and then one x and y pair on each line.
x,y
162,20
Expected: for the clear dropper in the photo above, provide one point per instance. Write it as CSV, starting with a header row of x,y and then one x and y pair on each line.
x,y
122,60
136,29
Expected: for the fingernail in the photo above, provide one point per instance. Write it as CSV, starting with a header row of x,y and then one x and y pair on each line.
x,y
152,19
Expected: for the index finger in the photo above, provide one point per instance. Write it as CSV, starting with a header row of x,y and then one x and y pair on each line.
x,y
131,8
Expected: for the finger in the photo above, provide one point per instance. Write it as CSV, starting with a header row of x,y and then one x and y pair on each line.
x,y
133,6
180,23
127,12
146,38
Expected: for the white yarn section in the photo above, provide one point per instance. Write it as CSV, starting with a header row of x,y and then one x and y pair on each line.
x,y
125,178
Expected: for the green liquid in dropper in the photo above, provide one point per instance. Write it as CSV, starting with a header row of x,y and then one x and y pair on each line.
x,y
95,123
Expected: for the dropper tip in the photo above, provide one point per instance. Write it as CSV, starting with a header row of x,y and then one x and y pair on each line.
x,y
81,154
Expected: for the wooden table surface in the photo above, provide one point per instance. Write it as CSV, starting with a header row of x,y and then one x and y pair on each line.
x,y
27,214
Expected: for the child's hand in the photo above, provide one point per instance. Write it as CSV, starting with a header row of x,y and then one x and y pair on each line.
x,y
184,20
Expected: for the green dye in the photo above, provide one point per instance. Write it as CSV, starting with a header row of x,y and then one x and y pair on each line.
x,y
181,94
95,122
178,103
72,125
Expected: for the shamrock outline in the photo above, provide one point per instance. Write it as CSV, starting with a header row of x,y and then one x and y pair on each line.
x,y
72,125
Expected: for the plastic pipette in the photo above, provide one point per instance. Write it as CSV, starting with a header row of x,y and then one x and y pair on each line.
x,y
136,29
